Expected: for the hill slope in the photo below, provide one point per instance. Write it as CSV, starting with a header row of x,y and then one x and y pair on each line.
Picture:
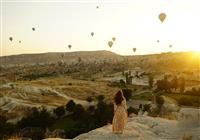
x,y
54,57
164,61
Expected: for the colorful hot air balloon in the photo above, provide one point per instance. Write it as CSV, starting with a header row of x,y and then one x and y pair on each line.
x,y
134,50
10,38
113,39
33,29
162,17
110,43
69,46
92,33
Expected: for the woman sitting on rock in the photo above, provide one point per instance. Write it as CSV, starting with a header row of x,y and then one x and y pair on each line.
x,y
120,113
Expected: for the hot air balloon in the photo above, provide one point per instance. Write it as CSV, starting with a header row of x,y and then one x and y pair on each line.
x,y
10,38
33,29
69,46
162,17
134,50
113,39
92,33
110,43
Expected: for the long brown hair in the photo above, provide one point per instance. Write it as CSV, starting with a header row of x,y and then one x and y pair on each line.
x,y
118,97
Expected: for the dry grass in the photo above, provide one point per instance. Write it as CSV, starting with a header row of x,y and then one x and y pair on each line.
x,y
186,137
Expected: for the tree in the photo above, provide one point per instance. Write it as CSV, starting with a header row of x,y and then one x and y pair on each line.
x,y
163,85
78,111
89,99
147,107
151,81
103,113
174,83
79,59
128,78
182,84
59,111
159,101
37,118
127,93
6,129
91,109
132,110
100,98
122,82
70,106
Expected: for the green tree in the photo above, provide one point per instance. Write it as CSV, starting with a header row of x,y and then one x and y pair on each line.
x,y
70,106
37,118
159,101
127,93
132,110
6,129
59,111
78,111
182,84
151,81
89,99
100,98
174,83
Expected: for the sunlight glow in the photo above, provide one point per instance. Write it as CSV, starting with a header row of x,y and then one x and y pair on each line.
x,y
134,23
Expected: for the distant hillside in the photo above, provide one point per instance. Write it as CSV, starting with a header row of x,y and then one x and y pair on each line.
x,y
55,57
164,61
180,61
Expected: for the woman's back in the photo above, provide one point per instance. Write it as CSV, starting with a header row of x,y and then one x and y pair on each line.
x,y
120,116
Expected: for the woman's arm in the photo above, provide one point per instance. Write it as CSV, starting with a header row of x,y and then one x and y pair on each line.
x,y
115,107
124,104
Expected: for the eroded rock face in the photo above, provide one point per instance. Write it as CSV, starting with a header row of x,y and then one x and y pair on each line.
x,y
189,117
143,128
58,133
19,98
170,104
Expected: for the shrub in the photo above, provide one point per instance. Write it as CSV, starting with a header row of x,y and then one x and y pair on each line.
x,y
151,81
70,106
35,133
146,107
160,101
89,99
185,101
6,129
122,82
37,118
104,113
132,110
100,98
69,84
154,112
78,111
59,111
91,109
127,93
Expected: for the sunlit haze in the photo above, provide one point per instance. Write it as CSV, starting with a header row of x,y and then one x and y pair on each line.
x,y
134,24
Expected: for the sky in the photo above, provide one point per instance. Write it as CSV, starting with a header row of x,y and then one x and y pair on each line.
x,y
134,24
